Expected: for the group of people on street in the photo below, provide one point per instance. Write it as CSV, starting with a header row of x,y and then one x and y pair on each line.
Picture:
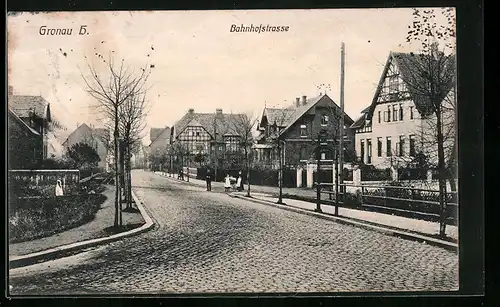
x,y
227,182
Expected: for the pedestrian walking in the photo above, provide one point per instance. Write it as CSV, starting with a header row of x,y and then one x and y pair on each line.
x,y
209,180
227,183
59,189
239,183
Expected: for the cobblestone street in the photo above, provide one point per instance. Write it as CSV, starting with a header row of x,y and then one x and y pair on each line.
x,y
209,242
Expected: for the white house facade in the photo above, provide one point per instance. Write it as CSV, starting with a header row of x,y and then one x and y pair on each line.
x,y
396,127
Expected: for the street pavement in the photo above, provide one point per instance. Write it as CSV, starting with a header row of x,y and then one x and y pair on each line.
x,y
207,242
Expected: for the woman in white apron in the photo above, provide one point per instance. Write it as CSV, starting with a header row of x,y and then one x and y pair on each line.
x,y
227,183
59,189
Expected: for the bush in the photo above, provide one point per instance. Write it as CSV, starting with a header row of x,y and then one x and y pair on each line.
x,y
41,217
370,173
408,173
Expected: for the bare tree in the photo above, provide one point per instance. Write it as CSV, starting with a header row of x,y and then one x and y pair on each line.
x,y
179,152
281,118
431,77
132,115
242,125
111,91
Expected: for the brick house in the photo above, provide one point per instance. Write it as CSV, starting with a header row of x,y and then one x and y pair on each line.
x,y
297,126
28,122
393,128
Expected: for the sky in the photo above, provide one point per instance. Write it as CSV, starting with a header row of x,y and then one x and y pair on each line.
x,y
199,63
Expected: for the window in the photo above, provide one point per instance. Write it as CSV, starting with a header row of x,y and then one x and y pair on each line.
x,y
362,151
388,146
323,156
400,112
197,133
379,147
379,117
393,84
369,149
303,130
394,113
401,145
388,113
303,153
324,120
411,112
412,146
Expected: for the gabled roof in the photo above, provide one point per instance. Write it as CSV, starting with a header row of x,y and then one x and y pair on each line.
x,y
359,122
23,104
165,131
100,133
21,122
222,122
407,63
303,109
154,133
281,117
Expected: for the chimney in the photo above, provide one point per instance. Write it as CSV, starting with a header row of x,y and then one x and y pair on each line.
x,y
304,100
297,102
218,111
11,90
191,111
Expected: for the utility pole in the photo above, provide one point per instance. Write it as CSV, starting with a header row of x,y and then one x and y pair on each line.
x,y
340,172
215,147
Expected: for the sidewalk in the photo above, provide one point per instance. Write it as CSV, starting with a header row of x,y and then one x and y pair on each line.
x,y
97,228
380,219
417,226
304,192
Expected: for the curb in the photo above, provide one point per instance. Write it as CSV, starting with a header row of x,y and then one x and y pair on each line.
x,y
73,248
346,221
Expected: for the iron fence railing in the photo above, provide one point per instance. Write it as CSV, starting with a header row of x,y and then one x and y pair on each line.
x,y
392,198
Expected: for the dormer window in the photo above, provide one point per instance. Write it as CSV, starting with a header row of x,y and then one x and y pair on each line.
x,y
324,120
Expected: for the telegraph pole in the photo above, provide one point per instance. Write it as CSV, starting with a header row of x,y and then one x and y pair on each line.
x,y
340,173
215,147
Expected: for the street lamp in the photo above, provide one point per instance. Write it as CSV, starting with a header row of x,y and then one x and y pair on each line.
x,y
280,174
322,143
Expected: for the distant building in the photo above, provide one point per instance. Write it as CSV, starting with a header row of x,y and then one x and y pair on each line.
x,y
389,131
97,138
34,112
212,136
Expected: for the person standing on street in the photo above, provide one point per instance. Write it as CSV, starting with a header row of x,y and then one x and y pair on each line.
x,y
239,183
209,180
227,183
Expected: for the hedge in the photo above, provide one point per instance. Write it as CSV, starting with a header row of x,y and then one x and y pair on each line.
x,y
32,218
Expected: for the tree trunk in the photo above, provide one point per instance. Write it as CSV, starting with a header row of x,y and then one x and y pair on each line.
x,y
117,179
248,171
442,176
129,180
280,174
